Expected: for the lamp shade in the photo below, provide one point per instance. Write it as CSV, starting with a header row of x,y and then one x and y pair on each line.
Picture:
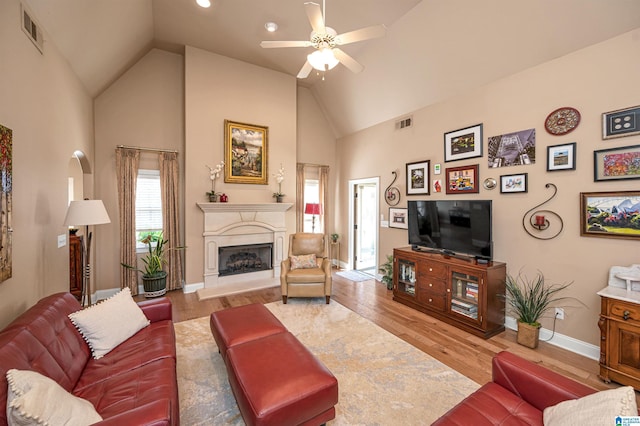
x,y
86,212
312,208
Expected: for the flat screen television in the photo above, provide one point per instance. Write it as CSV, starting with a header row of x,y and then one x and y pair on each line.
x,y
454,227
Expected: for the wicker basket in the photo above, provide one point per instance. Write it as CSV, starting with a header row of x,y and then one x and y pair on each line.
x,y
528,335
155,285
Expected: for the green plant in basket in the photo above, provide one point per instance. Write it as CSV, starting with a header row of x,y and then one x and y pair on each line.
x,y
155,259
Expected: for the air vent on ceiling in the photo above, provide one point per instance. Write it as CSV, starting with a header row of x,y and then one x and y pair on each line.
x,y
31,28
404,123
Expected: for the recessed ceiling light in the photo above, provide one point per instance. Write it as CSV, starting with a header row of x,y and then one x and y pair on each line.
x,y
203,3
271,26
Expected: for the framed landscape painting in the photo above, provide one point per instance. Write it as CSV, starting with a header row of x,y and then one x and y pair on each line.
x,y
245,153
610,214
561,157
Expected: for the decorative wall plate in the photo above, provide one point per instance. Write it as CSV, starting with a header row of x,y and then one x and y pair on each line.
x,y
489,183
562,121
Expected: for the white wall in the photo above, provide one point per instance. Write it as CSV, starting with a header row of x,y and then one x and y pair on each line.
x,y
594,80
143,108
51,116
219,88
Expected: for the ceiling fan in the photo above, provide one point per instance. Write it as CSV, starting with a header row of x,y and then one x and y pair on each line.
x,y
325,39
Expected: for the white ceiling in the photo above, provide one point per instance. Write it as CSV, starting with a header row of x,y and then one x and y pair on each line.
x,y
434,49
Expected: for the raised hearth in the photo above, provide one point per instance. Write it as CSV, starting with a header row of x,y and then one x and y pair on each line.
x,y
230,225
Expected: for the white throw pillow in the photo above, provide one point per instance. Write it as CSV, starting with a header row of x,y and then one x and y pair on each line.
x,y
109,323
600,408
36,399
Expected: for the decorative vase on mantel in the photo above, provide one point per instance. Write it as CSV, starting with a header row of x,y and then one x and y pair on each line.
x,y
279,198
213,197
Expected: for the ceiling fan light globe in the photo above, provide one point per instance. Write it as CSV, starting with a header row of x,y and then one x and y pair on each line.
x,y
323,60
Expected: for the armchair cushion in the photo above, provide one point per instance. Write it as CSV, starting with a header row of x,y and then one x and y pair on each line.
x,y
304,261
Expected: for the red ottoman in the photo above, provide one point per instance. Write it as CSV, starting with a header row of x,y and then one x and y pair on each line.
x,y
277,381
241,324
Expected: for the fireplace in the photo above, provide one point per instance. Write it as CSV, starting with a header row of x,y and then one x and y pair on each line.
x,y
244,259
228,225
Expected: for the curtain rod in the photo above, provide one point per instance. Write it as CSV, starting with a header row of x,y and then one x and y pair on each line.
x,y
147,149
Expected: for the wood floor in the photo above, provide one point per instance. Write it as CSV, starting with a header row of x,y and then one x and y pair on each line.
x,y
459,350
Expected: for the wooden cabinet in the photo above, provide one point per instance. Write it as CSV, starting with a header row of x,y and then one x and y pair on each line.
x,y
619,337
460,292
75,266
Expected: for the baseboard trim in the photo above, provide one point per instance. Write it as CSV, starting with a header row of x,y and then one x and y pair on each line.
x,y
562,341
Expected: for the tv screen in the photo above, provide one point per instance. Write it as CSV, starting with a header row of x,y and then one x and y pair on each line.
x,y
451,226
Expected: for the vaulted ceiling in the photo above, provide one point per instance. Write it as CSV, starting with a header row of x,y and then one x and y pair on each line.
x,y
433,50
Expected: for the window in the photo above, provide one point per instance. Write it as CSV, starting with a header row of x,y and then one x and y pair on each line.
x,y
311,195
148,205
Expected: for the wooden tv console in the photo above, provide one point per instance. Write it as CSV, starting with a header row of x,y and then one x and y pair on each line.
x,y
461,292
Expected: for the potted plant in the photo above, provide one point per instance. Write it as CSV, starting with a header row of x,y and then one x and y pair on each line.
x,y
528,300
214,173
279,178
154,278
334,238
387,271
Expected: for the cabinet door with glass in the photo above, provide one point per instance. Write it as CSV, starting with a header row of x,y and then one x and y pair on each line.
x,y
466,293
405,277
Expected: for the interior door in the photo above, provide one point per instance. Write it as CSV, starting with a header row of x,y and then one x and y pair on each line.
x,y
365,227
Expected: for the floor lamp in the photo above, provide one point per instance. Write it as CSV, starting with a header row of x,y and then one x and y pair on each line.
x,y
86,212
313,209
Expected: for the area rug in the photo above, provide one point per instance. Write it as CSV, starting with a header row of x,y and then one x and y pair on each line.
x,y
228,289
356,276
382,380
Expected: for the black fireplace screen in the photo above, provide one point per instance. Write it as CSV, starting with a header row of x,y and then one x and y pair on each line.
x,y
243,259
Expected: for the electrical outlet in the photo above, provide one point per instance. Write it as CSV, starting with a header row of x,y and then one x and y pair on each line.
x,y
560,313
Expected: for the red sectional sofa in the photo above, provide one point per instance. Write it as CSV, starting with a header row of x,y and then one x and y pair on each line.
x,y
518,395
134,384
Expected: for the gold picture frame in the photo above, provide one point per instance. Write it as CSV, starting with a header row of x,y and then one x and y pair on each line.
x,y
246,153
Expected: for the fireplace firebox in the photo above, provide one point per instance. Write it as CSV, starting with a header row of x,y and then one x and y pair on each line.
x,y
243,259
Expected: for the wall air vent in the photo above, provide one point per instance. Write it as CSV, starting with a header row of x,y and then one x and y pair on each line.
x,y
31,28
404,123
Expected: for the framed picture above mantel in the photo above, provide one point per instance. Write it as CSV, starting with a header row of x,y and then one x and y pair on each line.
x,y
246,153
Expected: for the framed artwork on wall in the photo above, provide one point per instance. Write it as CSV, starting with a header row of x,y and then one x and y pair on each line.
x,y
512,149
463,143
561,157
418,178
398,218
510,184
246,153
622,122
462,180
610,214
616,163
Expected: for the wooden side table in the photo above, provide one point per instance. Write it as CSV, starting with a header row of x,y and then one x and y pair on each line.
x,y
620,336
334,254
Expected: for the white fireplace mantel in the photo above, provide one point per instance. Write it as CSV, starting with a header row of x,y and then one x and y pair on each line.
x,y
230,224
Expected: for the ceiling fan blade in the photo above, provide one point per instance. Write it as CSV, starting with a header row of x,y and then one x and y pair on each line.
x,y
347,61
314,13
272,44
305,70
374,31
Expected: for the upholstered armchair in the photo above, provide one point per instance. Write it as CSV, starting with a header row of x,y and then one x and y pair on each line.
x,y
300,276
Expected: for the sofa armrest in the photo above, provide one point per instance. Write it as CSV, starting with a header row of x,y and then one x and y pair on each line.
x,y
156,413
157,309
533,383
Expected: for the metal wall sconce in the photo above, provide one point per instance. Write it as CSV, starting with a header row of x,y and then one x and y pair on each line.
x,y
539,221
